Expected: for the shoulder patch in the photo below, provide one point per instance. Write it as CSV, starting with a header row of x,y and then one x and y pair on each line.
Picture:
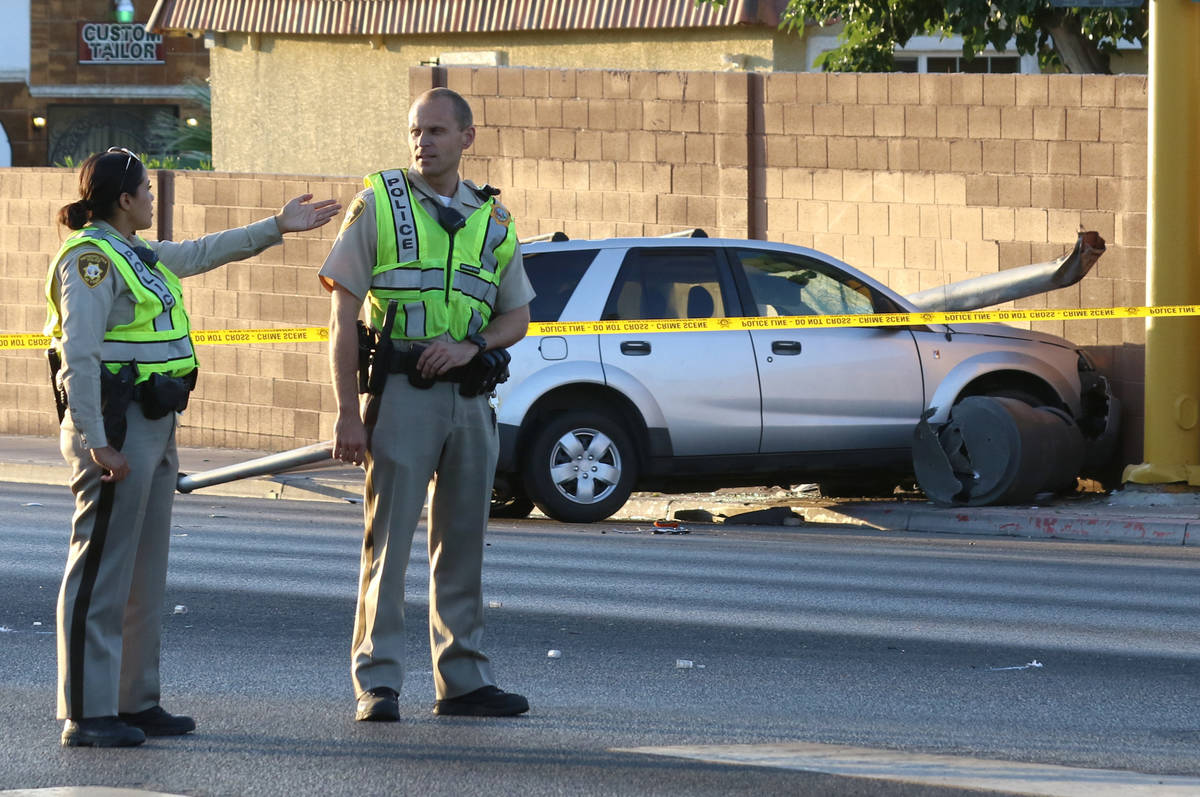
x,y
93,268
501,214
352,213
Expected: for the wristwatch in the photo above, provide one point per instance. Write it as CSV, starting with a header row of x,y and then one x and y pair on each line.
x,y
479,341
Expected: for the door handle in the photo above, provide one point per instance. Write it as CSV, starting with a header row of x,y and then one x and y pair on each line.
x,y
636,348
785,346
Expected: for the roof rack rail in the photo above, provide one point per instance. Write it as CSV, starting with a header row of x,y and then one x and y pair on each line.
x,y
555,237
695,232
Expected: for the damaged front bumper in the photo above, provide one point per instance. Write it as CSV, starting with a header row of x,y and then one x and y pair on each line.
x,y
1099,419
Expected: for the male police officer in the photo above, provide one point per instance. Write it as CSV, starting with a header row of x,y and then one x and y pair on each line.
x,y
437,260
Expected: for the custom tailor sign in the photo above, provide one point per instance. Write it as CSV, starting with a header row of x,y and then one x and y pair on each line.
x,y
118,43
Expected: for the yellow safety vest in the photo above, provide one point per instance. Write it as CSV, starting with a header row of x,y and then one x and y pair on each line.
x,y
159,336
442,282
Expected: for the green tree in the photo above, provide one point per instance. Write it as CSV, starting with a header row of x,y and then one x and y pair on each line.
x,y
1076,39
179,145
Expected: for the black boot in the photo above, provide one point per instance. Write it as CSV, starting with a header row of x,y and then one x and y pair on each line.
x,y
100,732
381,704
155,721
487,701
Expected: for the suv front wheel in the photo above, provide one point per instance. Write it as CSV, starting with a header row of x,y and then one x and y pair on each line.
x,y
581,467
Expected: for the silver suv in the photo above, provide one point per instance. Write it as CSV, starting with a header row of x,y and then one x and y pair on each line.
x,y
587,419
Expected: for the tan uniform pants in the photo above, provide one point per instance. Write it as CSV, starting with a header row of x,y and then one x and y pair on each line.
x,y
420,433
111,600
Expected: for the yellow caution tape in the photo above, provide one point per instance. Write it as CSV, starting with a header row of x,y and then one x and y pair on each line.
x,y
864,320
19,341
199,336
293,335
321,334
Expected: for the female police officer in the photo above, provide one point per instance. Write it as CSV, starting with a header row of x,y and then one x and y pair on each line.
x,y
124,364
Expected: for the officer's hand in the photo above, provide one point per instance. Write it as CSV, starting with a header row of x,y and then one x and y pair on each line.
x,y
298,215
440,356
350,438
116,467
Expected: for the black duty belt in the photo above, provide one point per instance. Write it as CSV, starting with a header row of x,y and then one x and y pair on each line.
x,y
405,362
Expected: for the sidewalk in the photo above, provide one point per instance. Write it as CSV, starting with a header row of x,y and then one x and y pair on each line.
x,y
1138,515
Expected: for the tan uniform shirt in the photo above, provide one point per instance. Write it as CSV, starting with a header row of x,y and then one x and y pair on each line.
x,y
89,307
353,255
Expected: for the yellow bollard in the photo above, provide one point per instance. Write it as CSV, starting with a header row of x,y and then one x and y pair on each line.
x,y
1172,413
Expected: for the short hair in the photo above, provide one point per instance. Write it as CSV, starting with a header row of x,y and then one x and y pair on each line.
x,y
462,109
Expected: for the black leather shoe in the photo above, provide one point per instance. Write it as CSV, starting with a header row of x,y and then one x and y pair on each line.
x,y
155,721
487,701
100,732
380,704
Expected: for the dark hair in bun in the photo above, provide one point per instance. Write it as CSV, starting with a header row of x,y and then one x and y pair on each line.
x,y
102,179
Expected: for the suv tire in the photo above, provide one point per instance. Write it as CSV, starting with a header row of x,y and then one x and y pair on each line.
x,y
574,438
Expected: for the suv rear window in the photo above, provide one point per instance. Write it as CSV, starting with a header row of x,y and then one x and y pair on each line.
x,y
554,276
667,283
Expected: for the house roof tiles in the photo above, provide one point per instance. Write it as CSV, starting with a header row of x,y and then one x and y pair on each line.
x,y
406,17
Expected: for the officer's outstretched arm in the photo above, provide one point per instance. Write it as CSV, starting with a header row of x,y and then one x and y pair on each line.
x,y
300,214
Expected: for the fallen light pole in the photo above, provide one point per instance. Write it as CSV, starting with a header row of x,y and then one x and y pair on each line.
x,y
997,450
282,462
1014,283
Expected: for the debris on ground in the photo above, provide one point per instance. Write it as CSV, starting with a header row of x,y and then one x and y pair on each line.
x,y
1033,665
653,529
772,516
668,527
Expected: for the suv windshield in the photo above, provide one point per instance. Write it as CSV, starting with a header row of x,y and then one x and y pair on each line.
x,y
783,284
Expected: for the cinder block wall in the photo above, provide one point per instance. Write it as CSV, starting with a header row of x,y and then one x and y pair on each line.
x,y
917,179
598,153
264,396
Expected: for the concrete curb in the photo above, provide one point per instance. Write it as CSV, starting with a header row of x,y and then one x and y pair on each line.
x,y
1159,526
1045,522
1097,522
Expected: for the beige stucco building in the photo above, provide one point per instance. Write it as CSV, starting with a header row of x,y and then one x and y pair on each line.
x,y
326,91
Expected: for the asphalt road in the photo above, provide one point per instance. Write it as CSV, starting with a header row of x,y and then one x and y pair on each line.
x,y
1075,654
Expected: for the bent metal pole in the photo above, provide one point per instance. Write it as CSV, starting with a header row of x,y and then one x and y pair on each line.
x,y
273,463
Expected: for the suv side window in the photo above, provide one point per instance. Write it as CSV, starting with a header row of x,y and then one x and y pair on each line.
x,y
785,284
554,276
668,283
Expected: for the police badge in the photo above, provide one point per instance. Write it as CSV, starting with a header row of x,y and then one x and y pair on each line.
x,y
500,214
356,209
93,268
